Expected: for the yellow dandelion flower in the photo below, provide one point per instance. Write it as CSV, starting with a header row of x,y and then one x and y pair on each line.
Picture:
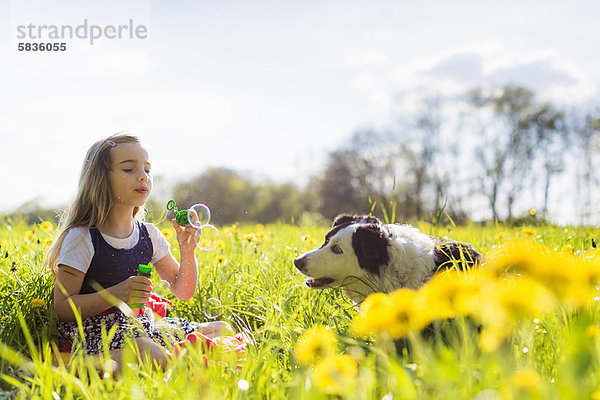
x,y
529,232
309,240
315,343
592,331
490,339
219,245
375,315
450,294
228,230
250,238
38,303
395,314
532,212
261,235
507,301
526,380
519,298
336,374
559,272
408,313
3,242
29,236
206,244
220,260
168,234
47,226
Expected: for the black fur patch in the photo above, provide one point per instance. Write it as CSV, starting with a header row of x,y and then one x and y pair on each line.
x,y
347,218
448,253
344,220
370,243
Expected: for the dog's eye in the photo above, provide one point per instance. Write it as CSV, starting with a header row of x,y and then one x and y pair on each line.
x,y
336,249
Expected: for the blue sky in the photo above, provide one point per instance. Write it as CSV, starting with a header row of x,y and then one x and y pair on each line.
x,y
268,87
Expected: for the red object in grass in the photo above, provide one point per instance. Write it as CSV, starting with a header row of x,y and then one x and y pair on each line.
x,y
158,305
222,344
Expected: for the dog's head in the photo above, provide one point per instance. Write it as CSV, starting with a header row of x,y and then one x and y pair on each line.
x,y
354,247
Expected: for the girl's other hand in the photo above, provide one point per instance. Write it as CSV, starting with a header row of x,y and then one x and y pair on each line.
x,y
135,289
186,236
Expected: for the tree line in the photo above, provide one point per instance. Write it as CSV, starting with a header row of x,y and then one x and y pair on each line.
x,y
491,154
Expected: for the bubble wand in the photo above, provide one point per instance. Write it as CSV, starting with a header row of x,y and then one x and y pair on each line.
x,y
198,216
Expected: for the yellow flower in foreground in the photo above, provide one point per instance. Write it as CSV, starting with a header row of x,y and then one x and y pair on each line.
x,y
395,314
566,276
451,293
522,297
38,303
315,343
336,374
489,339
592,331
524,384
250,238
505,303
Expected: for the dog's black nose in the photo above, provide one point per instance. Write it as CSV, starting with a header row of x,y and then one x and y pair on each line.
x,y
300,263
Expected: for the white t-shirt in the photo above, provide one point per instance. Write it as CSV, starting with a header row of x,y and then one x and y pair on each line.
x,y
77,249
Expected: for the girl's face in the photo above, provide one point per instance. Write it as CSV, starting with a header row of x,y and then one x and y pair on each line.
x,y
130,178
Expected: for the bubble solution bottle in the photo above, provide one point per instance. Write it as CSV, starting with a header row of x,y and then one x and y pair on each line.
x,y
143,270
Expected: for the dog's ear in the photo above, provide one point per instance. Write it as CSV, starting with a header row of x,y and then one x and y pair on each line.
x,y
347,218
343,219
448,253
370,244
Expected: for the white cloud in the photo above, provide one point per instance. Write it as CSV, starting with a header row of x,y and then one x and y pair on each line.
x,y
450,73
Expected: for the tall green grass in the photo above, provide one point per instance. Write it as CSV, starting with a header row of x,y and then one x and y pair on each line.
x,y
252,275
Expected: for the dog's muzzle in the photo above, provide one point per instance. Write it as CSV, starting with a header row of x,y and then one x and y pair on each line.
x,y
300,263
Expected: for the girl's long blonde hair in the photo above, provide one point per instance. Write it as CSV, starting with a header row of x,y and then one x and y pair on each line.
x,y
93,201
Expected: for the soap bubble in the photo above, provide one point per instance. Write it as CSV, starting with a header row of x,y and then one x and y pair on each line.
x,y
212,308
198,215
207,237
162,287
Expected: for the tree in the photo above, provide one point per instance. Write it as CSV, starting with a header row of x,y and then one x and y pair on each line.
x,y
277,202
509,140
229,195
338,188
587,129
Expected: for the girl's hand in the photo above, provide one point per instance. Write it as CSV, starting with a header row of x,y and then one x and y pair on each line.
x,y
186,236
135,289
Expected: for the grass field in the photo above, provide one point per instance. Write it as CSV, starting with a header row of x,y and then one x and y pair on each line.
x,y
532,332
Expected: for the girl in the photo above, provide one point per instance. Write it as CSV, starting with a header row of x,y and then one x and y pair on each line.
x,y
100,244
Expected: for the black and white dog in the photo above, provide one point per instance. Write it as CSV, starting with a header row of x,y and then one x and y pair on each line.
x,y
364,256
